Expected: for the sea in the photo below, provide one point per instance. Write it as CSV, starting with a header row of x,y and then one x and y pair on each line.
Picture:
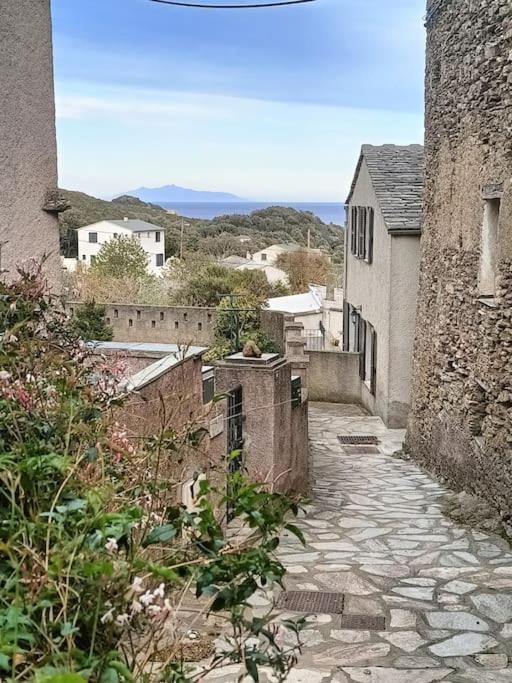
x,y
328,213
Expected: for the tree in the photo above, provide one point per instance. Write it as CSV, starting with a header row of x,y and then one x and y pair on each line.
x,y
304,268
89,322
121,256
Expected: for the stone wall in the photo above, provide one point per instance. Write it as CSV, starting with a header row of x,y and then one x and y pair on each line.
x,y
28,151
333,377
461,420
176,324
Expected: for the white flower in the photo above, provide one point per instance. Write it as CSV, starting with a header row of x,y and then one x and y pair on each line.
x,y
154,610
108,617
147,599
123,619
4,375
167,605
12,339
111,545
136,607
137,585
160,591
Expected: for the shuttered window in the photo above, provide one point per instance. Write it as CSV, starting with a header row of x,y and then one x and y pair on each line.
x,y
361,224
373,378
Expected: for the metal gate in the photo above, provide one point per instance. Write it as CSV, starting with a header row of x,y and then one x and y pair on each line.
x,y
235,437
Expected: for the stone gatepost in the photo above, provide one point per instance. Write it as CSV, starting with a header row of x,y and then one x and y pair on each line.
x,y
295,349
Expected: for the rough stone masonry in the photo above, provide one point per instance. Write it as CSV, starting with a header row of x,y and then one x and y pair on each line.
x,y
461,419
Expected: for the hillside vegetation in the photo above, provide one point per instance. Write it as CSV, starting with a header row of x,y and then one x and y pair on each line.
x,y
217,238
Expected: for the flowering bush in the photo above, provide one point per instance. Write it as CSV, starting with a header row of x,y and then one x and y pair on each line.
x,y
95,566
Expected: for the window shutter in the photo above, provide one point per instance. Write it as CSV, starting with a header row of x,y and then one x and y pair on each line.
x,y
346,326
373,379
353,229
362,347
371,221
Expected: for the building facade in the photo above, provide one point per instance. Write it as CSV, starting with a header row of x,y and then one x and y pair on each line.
x,y
28,154
381,275
151,237
461,418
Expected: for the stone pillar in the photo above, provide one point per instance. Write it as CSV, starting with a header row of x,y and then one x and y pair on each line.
x,y
28,149
295,350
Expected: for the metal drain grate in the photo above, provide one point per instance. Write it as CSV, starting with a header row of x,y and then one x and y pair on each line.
x,y
313,602
363,622
358,440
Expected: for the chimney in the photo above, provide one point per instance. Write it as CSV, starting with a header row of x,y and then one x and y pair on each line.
x,y
125,219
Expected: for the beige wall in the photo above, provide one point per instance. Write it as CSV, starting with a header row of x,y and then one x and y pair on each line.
x,y
333,377
28,154
386,292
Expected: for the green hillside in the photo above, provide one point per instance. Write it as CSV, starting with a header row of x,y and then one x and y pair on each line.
x,y
218,237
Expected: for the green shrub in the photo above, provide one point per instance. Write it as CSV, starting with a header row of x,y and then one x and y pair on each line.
x,y
94,560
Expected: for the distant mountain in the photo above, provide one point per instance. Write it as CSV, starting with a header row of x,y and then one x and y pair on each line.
x,y
174,193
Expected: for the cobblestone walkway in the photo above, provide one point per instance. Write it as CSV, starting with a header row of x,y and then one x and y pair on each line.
x,y
375,532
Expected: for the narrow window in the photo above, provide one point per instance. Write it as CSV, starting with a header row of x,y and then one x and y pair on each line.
x,y
153,323
353,229
362,348
130,322
209,317
84,257
161,315
346,326
368,353
263,257
116,313
373,376
199,326
489,247
361,232
185,316
159,260
138,315
108,321
157,237
176,324
93,237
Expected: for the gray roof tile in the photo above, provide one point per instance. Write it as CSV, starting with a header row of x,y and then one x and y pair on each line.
x,y
397,173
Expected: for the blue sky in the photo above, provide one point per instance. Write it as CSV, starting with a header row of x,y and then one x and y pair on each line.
x,y
270,104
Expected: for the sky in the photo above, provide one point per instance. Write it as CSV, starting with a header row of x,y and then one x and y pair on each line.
x,y
270,104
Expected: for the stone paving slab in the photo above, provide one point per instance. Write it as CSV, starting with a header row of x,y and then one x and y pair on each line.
x,y
375,531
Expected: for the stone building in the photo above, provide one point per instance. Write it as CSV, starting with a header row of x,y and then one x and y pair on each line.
x,y
382,256
29,200
461,419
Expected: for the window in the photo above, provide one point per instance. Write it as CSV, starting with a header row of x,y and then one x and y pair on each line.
x,y
153,323
84,257
199,326
208,383
361,225
157,236
130,322
159,260
108,321
93,237
138,315
489,247
161,315
116,313
185,316
176,324
93,259
368,353
263,257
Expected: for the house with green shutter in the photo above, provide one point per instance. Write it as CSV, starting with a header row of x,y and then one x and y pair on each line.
x,y
381,273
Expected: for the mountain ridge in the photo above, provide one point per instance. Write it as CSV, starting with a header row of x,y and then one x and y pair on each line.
x,y
176,193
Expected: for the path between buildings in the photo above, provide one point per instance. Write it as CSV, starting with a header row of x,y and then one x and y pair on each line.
x,y
376,533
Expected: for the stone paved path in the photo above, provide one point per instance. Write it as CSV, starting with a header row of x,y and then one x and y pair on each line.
x,y
375,532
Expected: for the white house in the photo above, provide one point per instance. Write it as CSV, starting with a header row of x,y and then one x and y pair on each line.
x,y
151,237
382,259
320,310
271,254
273,274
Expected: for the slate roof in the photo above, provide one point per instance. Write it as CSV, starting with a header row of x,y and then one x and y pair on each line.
x,y
397,174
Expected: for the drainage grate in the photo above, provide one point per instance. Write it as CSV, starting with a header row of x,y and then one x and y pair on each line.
x,y
363,622
358,440
313,602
